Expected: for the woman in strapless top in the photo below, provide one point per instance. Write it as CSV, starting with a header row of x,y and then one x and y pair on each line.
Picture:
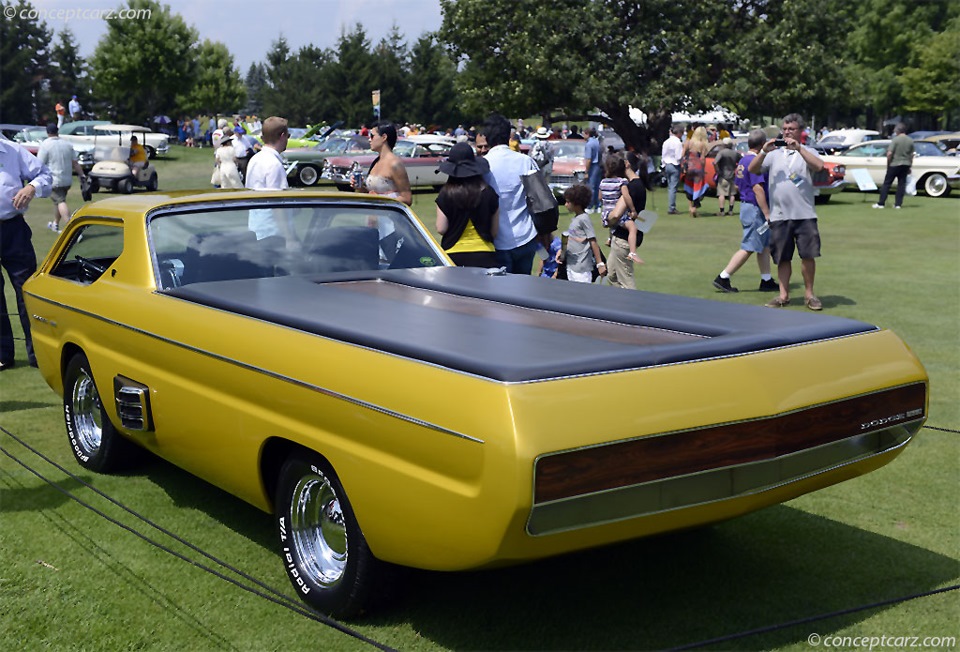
x,y
387,175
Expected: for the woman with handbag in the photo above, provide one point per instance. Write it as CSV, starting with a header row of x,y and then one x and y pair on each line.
x,y
468,210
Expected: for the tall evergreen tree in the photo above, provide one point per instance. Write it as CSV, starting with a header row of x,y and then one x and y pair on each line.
x,y
431,95
68,71
24,62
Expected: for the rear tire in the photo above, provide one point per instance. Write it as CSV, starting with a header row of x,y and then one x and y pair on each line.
x,y
151,183
94,441
320,543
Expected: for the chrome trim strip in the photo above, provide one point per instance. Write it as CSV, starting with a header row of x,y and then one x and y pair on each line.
x,y
714,485
293,381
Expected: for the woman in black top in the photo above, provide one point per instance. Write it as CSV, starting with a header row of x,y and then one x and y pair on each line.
x,y
468,210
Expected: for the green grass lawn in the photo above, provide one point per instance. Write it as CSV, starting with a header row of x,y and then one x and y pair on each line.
x,y
70,580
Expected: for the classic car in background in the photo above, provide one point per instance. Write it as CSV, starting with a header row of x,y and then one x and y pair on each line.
x,y
935,172
304,165
947,143
826,183
569,164
421,157
841,140
84,131
31,137
410,412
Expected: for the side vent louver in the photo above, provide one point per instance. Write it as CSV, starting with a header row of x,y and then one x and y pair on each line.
x,y
133,403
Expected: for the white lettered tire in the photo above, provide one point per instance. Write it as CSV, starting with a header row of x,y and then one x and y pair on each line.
x,y
94,441
321,546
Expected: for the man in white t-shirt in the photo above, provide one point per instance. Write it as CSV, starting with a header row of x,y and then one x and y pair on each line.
x,y
266,172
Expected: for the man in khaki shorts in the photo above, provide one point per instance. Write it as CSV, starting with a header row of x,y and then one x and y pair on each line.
x,y
59,156
789,167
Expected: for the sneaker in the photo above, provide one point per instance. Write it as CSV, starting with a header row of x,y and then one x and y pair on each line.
x,y
769,285
53,227
877,206
723,284
897,207
673,211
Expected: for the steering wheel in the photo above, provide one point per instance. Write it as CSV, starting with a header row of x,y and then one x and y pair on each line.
x,y
91,269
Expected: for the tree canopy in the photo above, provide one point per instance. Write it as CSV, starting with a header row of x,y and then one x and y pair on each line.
x,y
853,61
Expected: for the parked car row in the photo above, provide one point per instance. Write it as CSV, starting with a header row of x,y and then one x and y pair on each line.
x,y
85,131
935,172
31,137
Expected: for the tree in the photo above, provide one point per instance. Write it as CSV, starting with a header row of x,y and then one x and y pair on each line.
x,y
255,81
353,76
930,85
24,60
217,87
68,71
532,57
139,66
883,39
390,74
431,96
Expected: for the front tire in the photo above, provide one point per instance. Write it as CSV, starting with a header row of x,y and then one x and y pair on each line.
x,y
125,186
936,185
322,548
95,443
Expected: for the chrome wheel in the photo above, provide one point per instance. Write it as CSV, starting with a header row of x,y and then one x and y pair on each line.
x,y
318,530
308,175
87,414
936,185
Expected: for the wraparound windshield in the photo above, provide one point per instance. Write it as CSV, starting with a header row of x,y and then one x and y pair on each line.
x,y
284,239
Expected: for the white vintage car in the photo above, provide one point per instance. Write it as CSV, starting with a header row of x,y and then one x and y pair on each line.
x,y
85,131
935,172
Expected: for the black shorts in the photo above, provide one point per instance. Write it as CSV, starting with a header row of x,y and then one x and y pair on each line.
x,y
787,235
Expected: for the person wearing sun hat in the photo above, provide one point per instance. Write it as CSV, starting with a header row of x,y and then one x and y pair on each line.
x,y
468,210
540,152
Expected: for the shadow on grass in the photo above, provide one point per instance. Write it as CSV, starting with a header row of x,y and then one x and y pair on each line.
x,y
31,499
191,492
775,566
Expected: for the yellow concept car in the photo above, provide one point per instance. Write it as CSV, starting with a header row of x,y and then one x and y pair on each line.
x,y
316,355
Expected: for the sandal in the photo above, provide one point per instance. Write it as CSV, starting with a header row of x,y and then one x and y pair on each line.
x,y
777,302
813,303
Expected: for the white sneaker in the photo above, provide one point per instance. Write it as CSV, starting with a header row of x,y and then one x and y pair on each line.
x,y
53,227
877,206
897,207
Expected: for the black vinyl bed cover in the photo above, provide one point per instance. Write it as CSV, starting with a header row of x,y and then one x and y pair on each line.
x,y
514,328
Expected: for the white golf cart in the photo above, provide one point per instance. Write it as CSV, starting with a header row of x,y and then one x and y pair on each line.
x,y
112,153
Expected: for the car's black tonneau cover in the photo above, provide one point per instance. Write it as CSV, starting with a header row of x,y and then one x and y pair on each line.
x,y
514,328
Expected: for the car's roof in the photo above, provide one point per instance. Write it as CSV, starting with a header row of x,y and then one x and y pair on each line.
x,y
84,123
141,203
113,127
